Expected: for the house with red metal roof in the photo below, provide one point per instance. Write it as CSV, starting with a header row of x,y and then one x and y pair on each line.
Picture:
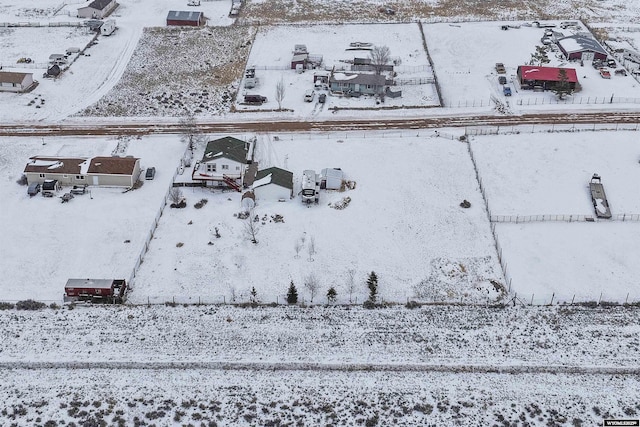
x,y
547,78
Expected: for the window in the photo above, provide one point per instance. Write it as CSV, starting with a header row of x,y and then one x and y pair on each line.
x,y
65,176
42,175
211,167
237,168
225,167
80,177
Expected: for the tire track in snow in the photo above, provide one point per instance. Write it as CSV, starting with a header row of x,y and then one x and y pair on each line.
x,y
512,369
112,78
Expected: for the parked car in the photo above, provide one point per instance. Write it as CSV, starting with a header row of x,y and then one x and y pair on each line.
x,y
506,91
309,95
150,174
34,189
502,80
322,98
255,99
193,3
388,10
611,63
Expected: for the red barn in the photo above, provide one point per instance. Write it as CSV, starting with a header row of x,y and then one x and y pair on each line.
x,y
545,77
185,18
99,290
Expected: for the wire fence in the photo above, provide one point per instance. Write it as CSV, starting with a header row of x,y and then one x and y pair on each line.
x,y
42,24
517,219
561,127
574,100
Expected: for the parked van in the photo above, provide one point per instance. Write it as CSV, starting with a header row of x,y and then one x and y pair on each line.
x,y
72,50
255,99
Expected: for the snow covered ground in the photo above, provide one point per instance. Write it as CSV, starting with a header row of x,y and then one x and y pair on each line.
x,y
243,366
405,204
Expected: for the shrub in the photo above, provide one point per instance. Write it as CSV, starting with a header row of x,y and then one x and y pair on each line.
x,y
413,304
292,294
54,306
369,305
30,305
7,306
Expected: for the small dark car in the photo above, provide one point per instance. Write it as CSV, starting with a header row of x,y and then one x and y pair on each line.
x,y
150,174
322,98
502,80
34,189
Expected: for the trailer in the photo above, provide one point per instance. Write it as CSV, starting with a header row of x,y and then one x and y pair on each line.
x,y
108,27
599,198
95,290
310,187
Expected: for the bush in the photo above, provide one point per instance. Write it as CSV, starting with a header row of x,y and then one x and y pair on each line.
x,y
369,305
54,306
413,304
7,306
200,204
30,305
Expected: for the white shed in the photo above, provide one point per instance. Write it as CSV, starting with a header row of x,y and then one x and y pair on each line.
x,y
331,178
273,184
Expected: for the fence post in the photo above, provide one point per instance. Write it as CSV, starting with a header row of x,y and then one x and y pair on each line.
x,y
532,299
600,299
552,296
572,299
626,300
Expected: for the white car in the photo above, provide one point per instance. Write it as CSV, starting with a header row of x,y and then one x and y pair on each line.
x,y
193,3
309,95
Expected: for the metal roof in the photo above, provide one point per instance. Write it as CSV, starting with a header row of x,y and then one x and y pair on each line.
x,y
549,74
227,147
184,15
579,43
9,77
280,177
99,4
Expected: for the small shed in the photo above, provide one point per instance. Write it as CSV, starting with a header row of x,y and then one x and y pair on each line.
x,y
97,9
331,178
273,184
187,18
98,290
15,82
299,59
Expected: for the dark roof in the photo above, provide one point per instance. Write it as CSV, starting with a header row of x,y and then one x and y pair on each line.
x,y
68,166
112,165
362,79
184,15
9,77
54,70
227,147
579,43
549,74
280,177
99,4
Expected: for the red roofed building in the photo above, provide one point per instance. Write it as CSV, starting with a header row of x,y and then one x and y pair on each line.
x,y
546,77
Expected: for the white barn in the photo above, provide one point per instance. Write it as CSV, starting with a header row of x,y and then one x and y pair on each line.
x,y
273,184
15,82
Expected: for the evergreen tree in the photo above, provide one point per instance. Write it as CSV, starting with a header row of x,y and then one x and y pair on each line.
x,y
372,284
331,294
254,295
562,88
292,294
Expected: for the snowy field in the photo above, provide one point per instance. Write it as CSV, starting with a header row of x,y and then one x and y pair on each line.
x,y
320,366
85,237
405,205
548,174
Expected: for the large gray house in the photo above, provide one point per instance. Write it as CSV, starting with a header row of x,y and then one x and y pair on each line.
x,y
366,84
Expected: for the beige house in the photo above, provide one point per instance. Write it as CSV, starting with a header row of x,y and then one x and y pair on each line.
x,y
15,82
103,171
97,9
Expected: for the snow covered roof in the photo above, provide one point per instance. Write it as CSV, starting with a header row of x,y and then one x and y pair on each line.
x,y
579,43
89,283
100,4
363,79
529,72
227,147
274,175
70,166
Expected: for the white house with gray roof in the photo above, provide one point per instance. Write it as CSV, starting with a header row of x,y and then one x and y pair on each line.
x,y
367,84
97,9
224,163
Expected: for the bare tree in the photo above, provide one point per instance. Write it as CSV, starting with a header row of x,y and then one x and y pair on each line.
x,y
175,194
280,90
191,134
351,284
380,56
312,248
251,229
312,285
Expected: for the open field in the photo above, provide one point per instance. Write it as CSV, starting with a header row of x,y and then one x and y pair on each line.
x,y
447,365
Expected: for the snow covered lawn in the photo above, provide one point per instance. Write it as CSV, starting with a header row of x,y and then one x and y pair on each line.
x,y
403,221
45,242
